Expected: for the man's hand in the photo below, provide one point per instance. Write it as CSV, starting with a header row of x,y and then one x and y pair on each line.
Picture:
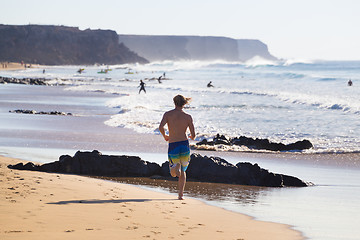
x,y
166,137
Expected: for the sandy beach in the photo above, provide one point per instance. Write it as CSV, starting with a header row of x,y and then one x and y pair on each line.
x,y
15,66
10,66
38,205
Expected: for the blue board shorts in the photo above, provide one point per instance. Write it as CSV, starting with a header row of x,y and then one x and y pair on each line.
x,y
179,152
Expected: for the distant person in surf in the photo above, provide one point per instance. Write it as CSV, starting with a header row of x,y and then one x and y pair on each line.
x,y
350,83
210,84
179,151
159,79
142,86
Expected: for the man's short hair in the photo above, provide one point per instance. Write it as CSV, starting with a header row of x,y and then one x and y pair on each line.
x,y
180,100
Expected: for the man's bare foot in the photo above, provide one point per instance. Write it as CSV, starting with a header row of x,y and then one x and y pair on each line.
x,y
175,171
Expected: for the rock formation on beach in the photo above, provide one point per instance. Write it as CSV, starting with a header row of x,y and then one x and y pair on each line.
x,y
40,113
27,81
161,48
60,45
257,143
201,168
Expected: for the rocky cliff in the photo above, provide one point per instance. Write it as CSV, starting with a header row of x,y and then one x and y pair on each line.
x,y
160,48
60,45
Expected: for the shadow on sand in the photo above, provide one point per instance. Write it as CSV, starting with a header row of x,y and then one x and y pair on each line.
x,y
98,201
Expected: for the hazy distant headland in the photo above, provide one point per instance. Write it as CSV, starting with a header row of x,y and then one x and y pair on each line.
x,y
61,45
160,48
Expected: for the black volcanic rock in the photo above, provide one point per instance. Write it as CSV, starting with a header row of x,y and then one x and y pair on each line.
x,y
40,113
27,81
95,164
201,168
60,45
257,143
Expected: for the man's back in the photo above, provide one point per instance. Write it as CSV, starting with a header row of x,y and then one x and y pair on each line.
x,y
178,122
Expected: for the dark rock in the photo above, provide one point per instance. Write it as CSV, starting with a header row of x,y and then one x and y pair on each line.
x,y
94,163
201,168
211,169
28,166
257,143
28,81
41,113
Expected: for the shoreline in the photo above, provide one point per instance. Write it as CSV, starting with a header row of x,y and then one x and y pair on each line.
x,y
93,208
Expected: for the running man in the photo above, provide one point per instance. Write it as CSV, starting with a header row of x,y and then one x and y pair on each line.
x,y
179,151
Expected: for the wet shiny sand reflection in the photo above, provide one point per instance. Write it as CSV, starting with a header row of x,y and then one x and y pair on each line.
x,y
245,195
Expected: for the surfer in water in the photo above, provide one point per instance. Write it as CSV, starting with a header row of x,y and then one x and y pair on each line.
x,y
210,84
142,86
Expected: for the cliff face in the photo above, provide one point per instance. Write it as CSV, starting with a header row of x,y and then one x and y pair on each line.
x,y
59,45
160,48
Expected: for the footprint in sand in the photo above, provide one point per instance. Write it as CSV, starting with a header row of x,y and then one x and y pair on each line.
x,y
181,224
132,227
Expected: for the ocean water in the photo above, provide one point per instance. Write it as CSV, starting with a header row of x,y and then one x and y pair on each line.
x,y
284,102
280,101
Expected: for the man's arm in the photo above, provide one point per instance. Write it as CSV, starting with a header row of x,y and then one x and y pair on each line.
x,y
161,127
192,128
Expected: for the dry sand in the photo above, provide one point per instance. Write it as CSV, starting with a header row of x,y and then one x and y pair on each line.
x,y
36,205
16,66
10,66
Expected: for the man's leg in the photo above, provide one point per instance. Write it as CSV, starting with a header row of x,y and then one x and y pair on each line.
x,y
181,183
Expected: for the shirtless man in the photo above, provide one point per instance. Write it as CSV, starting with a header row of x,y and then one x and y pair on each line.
x,y
179,152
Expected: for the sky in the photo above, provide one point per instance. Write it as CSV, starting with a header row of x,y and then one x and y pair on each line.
x,y
292,29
